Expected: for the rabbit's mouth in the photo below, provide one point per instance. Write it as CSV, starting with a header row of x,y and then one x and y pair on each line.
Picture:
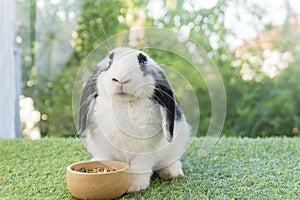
x,y
122,94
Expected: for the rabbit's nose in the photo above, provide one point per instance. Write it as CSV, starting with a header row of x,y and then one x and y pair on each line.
x,y
115,80
122,82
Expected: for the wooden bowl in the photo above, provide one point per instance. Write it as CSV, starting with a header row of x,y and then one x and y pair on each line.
x,y
98,185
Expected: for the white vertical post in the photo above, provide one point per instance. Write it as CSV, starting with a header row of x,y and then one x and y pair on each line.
x,y
8,92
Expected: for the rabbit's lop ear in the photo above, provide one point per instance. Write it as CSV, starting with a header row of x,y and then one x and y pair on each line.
x,y
90,93
163,94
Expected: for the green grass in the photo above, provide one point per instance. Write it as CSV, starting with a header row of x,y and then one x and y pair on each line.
x,y
234,169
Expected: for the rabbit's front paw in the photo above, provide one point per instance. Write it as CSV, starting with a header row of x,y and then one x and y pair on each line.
x,y
172,171
138,182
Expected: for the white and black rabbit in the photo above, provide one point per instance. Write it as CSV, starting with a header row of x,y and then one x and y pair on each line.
x,y
128,113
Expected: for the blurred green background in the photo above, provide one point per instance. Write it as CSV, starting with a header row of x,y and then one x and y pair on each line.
x,y
254,44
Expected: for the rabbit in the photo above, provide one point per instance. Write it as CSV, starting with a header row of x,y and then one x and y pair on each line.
x,y
128,113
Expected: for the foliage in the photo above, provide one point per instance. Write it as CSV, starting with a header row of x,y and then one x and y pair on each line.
x,y
58,105
235,169
256,108
270,106
98,21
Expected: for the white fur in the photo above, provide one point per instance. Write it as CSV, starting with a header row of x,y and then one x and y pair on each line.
x,y
128,127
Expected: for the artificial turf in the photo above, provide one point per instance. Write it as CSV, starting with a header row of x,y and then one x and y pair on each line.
x,y
235,169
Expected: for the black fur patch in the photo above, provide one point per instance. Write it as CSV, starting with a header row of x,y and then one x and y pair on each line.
x,y
89,93
142,59
163,95
143,63
111,57
178,113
